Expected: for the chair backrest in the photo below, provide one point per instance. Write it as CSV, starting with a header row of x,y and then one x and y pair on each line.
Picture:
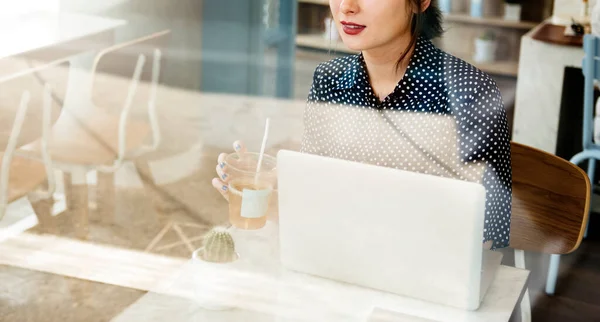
x,y
31,77
591,72
121,60
550,202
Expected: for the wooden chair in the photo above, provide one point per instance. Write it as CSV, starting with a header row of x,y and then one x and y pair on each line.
x,y
101,136
550,204
25,98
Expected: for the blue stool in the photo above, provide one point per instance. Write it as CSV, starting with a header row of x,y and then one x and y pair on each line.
x,y
591,150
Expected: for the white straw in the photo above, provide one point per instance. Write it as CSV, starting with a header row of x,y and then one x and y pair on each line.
x,y
262,147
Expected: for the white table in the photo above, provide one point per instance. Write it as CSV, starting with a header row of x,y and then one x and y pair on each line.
x,y
260,290
49,35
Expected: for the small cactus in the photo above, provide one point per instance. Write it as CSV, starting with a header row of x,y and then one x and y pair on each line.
x,y
219,246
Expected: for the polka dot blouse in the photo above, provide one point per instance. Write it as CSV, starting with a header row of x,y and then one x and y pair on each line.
x,y
445,117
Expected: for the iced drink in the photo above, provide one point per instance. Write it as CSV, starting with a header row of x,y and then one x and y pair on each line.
x,y
250,192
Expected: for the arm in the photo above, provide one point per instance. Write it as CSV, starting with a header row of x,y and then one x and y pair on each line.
x,y
311,131
484,136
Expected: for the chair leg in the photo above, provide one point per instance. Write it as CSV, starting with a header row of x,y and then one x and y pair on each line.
x,y
591,173
552,274
105,199
525,302
79,202
4,173
42,207
9,151
68,187
587,224
591,170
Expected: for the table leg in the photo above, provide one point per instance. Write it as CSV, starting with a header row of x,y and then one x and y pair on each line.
x,y
79,201
43,211
525,301
105,196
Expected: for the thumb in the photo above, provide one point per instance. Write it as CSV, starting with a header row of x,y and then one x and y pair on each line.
x,y
239,147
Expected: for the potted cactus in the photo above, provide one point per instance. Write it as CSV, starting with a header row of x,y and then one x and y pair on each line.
x,y
218,247
485,47
212,262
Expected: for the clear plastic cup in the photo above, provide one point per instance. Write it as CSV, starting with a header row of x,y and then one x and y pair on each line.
x,y
250,192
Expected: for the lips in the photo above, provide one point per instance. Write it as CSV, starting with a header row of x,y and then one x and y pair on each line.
x,y
351,28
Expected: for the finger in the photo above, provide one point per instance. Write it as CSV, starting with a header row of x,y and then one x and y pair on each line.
x,y
221,160
239,147
488,244
223,176
221,187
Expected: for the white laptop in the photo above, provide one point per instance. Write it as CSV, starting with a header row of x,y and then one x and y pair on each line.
x,y
407,233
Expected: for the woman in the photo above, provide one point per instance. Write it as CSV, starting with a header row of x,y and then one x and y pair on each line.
x,y
400,70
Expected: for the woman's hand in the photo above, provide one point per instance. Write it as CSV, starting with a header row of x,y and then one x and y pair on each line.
x,y
220,182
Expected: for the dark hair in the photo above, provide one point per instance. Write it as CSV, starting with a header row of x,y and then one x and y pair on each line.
x,y
426,24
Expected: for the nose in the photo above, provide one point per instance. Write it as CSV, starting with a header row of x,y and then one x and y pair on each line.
x,y
349,7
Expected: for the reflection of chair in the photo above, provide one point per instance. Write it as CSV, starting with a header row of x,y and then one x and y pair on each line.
x,y
103,135
549,209
591,150
32,112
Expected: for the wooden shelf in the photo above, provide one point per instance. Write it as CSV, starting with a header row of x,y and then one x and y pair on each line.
x,y
317,41
489,21
502,68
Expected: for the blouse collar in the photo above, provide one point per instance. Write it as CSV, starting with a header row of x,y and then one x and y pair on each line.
x,y
426,60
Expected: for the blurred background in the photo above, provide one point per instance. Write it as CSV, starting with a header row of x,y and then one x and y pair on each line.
x,y
133,143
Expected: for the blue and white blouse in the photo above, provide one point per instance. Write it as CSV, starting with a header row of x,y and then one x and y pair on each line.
x,y
345,119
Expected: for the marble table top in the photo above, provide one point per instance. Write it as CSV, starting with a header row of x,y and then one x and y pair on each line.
x,y
257,288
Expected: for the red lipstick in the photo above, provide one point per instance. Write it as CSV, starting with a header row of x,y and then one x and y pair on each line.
x,y
351,28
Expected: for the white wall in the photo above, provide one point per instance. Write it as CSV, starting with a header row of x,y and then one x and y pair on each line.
x,y
90,6
24,6
570,7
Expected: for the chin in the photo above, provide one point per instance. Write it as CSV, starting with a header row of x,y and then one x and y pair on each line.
x,y
354,44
